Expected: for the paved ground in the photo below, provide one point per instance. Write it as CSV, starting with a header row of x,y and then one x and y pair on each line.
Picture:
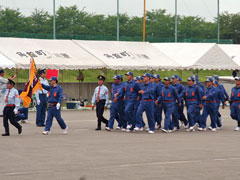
x,y
90,155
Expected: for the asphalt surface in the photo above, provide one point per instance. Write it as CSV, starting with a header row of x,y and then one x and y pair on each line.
x,y
90,155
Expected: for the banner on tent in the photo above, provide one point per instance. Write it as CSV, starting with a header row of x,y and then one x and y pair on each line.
x,y
39,53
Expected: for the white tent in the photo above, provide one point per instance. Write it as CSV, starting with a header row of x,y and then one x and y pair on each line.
x,y
233,50
120,55
56,54
198,55
6,63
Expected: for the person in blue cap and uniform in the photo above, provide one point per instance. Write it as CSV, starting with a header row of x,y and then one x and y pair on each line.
x,y
158,112
193,99
114,108
41,97
101,98
55,96
180,91
130,92
210,106
12,103
22,114
139,80
196,77
235,103
146,104
168,98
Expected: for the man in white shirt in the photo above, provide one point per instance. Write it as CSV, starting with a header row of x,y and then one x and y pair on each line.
x,y
41,96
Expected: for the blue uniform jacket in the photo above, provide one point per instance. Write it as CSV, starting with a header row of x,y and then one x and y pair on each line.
x,y
219,95
148,91
193,95
180,90
129,90
210,92
235,96
223,90
169,94
55,94
115,89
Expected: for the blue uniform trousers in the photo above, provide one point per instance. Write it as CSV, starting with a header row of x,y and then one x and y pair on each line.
x,y
168,108
157,114
209,109
22,114
219,124
198,116
121,107
235,111
129,112
53,112
175,116
114,111
41,110
191,113
181,114
148,107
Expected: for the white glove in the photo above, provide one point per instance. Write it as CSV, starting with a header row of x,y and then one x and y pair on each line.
x,y
58,106
15,111
38,102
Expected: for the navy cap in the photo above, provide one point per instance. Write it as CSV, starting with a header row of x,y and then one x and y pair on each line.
x,y
174,76
167,79
216,77
42,71
54,78
191,78
11,82
129,74
101,77
138,78
215,82
157,76
1,71
121,77
116,77
147,74
179,78
209,79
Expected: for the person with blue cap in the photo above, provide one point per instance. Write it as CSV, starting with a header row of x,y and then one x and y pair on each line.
x,y
22,114
200,107
210,106
158,109
101,99
55,97
235,103
219,99
130,92
146,104
198,83
193,99
114,108
226,96
180,91
3,83
41,97
168,98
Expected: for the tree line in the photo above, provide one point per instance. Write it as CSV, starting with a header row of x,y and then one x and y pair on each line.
x,y
159,24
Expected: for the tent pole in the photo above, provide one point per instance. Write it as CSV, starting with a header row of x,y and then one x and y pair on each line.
x,y
79,86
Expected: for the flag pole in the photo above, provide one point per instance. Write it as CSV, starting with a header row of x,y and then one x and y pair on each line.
x,y
144,21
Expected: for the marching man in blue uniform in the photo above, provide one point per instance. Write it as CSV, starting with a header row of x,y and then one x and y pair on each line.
x,y
130,92
168,98
114,108
235,103
12,103
146,104
101,98
41,96
158,113
193,99
210,106
55,96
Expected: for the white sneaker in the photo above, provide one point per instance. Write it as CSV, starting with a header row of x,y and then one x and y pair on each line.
x,y
164,130
170,131
174,129
185,126
65,131
118,128
237,129
46,132
129,126
181,124
151,132
123,129
190,129
201,129
138,129
210,128
147,129
219,128
108,129
214,130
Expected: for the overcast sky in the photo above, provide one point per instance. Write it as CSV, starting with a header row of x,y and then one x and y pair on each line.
x,y
203,8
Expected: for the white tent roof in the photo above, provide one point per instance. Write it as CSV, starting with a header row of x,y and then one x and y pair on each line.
x,y
197,55
56,54
233,50
5,62
128,55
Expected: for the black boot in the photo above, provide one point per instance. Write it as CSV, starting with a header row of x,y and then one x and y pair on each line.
x,y
98,129
6,134
20,130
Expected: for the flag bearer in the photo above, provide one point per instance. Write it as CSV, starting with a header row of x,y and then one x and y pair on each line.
x,y
101,98
235,103
55,96
193,100
12,103
168,98
146,104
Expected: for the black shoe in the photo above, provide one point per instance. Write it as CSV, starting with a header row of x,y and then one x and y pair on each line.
x,y
20,130
6,134
98,129
41,125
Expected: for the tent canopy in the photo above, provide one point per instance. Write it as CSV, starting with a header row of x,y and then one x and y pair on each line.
x,y
119,55
233,50
6,63
55,54
205,56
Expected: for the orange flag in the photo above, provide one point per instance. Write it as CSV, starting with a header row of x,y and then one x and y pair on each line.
x,y
32,86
